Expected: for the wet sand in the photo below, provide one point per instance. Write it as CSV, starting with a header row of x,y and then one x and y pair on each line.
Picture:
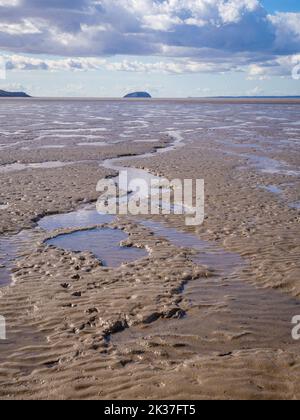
x,y
206,312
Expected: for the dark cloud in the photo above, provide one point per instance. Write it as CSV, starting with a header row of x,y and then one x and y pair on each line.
x,y
146,27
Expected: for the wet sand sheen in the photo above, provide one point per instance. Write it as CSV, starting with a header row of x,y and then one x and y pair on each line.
x,y
177,329
11,248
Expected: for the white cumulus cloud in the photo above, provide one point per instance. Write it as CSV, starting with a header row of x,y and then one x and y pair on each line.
x,y
209,34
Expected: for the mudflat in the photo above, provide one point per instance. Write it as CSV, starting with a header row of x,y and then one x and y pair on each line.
x,y
189,312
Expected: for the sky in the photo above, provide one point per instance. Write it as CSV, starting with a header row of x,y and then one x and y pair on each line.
x,y
170,48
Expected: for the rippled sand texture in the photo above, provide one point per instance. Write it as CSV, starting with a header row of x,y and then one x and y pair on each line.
x,y
173,324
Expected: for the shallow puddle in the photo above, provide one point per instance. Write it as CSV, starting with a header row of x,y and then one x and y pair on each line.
x,y
93,144
15,167
11,247
104,243
273,189
209,255
280,193
86,217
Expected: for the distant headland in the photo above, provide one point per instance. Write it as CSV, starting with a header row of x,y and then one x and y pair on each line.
x,y
5,94
138,95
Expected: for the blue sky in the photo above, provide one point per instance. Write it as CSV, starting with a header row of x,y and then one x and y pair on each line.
x,y
282,5
171,48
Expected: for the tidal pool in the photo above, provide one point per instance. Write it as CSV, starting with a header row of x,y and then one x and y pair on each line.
x,y
104,243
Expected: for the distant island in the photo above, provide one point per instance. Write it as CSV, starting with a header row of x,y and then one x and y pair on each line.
x,y
138,95
4,94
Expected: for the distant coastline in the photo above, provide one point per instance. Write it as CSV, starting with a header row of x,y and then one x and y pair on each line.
x,y
204,100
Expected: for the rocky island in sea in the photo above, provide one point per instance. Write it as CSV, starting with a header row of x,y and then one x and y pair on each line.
x,y
5,94
138,95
